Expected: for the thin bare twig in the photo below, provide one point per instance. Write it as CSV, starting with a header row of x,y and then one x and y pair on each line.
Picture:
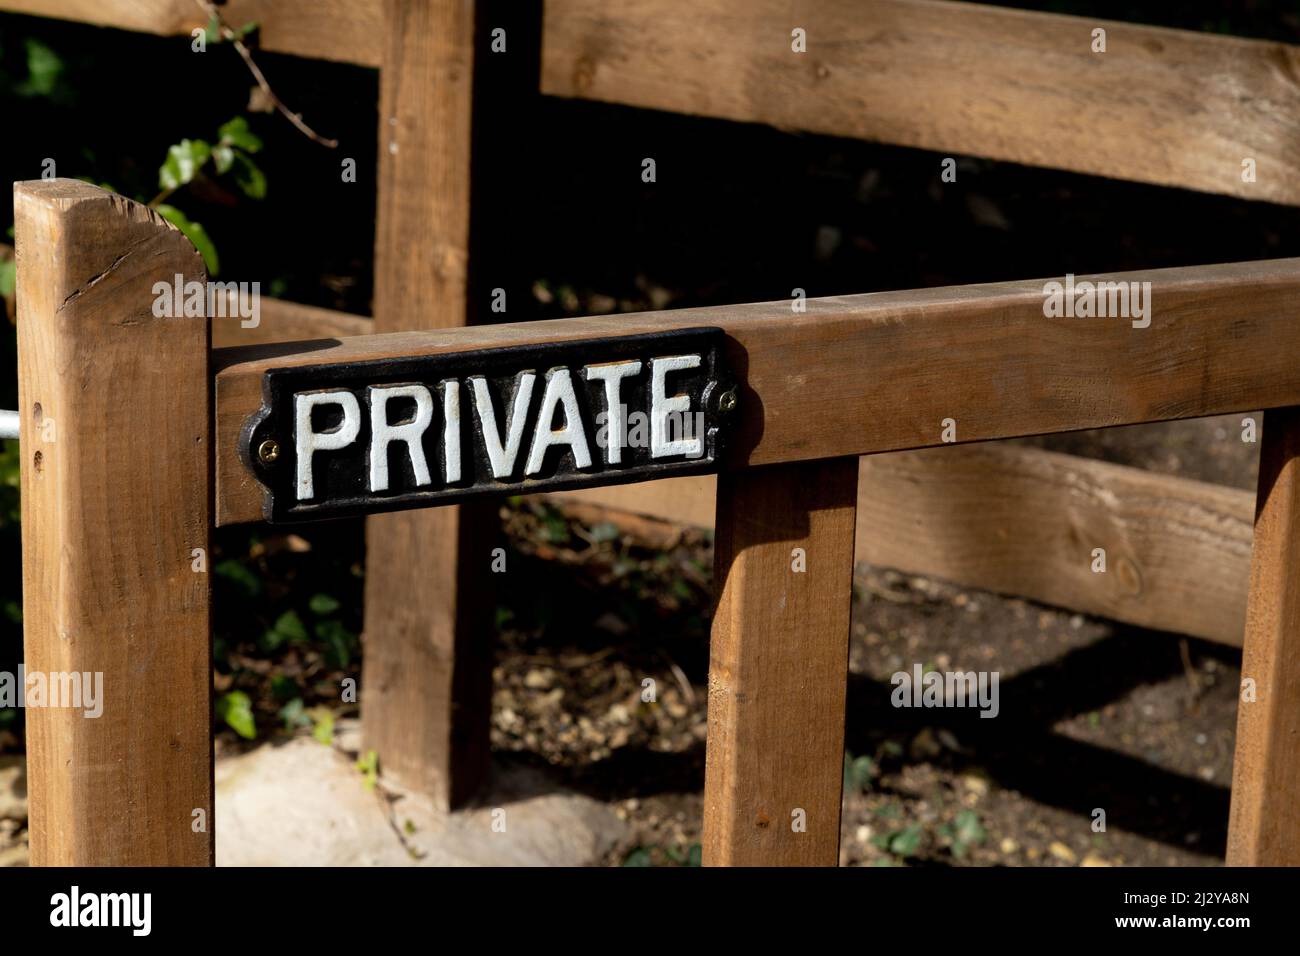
x,y
231,36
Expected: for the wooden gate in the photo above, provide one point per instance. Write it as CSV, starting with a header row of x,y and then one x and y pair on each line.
x,y
158,442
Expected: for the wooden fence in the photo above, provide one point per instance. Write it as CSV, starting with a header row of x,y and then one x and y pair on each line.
x,y
105,523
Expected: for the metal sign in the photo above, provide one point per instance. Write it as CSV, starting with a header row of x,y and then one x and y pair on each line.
x,y
409,432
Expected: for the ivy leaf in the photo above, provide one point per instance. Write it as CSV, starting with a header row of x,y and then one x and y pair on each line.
x,y
323,604
322,730
294,715
338,641
236,710
240,575
858,773
368,767
968,829
237,133
250,179
195,233
44,69
8,277
906,841
223,157
290,625
183,162
212,32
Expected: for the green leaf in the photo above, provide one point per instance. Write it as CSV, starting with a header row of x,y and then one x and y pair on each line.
x,y
44,69
339,641
605,531
323,604
237,711
237,133
240,575
250,180
195,233
294,715
8,277
212,32
247,28
906,841
223,157
638,857
859,772
290,625
368,765
284,688
968,829
322,719
184,159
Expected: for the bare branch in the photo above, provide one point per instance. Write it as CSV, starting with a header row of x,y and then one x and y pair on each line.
x,y
230,35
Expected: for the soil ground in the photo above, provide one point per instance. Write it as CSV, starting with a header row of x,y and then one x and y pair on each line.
x,y
1095,715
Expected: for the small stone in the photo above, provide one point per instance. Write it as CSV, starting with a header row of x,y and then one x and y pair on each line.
x,y
1008,846
1092,859
1061,852
539,679
925,745
863,834
13,788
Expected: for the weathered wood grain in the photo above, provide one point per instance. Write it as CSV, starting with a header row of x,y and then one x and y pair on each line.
x,y
881,372
426,695
1170,107
1024,521
115,514
778,665
348,31
1264,823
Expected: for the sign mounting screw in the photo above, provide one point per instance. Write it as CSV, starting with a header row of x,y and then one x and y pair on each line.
x,y
727,401
269,451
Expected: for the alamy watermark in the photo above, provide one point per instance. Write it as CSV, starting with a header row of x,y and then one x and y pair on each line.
x,y
1125,300
216,300
923,688
73,690
683,431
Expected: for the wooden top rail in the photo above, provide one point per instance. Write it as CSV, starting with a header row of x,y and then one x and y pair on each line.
x,y
1171,107
882,372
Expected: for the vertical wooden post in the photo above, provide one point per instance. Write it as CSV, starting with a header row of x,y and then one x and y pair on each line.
x,y
778,664
116,513
1264,822
426,695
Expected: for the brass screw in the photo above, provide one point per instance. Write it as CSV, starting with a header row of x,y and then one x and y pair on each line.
x,y
727,401
269,451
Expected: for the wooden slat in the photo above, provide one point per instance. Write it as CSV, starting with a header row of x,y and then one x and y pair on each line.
x,y
1171,107
1024,521
881,372
1264,826
282,321
778,665
115,513
1161,106
426,697
348,31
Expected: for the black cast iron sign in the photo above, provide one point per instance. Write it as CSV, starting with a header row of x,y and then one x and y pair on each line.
x,y
346,439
